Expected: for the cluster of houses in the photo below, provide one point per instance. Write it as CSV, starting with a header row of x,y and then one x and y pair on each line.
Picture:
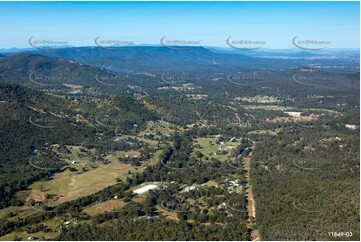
x,y
190,188
128,156
233,185
68,222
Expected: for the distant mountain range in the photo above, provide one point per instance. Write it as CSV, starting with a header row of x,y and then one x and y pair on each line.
x,y
160,59
155,59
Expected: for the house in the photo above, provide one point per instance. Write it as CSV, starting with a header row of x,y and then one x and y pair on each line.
x,y
222,206
233,139
351,126
75,221
189,188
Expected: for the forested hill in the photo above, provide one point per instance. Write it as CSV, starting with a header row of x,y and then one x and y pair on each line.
x,y
32,120
40,72
20,137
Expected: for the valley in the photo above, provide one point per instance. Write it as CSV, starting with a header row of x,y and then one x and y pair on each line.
x,y
201,157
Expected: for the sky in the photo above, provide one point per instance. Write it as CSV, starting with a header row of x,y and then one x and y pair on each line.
x,y
275,24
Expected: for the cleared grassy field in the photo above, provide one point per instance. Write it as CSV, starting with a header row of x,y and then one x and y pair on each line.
x,y
149,141
210,183
159,129
168,214
212,149
103,207
265,132
71,185
18,212
24,235
67,185
258,99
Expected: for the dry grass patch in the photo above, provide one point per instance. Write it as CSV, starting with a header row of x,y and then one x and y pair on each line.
x,y
103,207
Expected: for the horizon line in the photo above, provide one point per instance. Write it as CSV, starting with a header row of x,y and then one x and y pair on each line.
x,y
45,47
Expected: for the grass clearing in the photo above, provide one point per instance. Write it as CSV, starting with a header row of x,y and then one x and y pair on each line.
x,y
168,214
14,213
68,185
24,235
103,207
210,149
210,183
71,185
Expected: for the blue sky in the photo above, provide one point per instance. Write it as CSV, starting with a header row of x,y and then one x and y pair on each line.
x,y
210,23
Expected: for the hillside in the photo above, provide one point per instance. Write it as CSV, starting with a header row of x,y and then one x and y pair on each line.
x,y
32,121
